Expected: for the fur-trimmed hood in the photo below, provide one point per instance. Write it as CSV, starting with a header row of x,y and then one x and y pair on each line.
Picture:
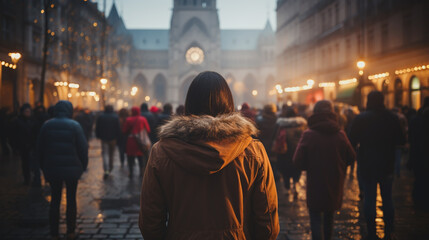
x,y
292,122
205,144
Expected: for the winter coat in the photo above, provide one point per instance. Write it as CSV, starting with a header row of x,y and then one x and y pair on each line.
x,y
134,125
294,126
212,181
378,133
324,152
25,130
62,148
107,127
266,124
419,143
152,120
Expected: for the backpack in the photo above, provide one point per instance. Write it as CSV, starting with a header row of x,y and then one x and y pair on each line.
x,y
279,145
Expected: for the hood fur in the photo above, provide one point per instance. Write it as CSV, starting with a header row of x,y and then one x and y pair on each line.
x,y
292,122
228,127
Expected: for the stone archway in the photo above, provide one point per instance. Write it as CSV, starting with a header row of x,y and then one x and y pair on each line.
x,y
398,92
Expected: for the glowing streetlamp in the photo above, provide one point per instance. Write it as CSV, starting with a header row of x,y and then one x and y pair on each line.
x,y
360,65
15,57
133,92
254,92
103,81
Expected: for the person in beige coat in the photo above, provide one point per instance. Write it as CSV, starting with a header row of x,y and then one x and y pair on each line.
x,y
207,178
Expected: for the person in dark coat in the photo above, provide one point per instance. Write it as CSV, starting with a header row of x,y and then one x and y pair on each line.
x,y
107,129
122,142
166,114
419,155
295,126
4,131
378,133
324,152
25,139
84,118
40,117
266,123
134,125
152,121
62,150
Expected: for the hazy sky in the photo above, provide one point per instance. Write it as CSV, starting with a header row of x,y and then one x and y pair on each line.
x,y
233,14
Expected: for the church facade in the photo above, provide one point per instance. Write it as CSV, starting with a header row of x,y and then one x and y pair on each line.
x,y
163,62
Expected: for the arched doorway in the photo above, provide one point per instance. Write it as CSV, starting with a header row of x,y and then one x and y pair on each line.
x,y
415,93
140,81
160,88
398,92
184,89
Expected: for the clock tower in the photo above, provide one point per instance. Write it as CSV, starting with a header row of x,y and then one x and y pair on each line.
x,y
195,44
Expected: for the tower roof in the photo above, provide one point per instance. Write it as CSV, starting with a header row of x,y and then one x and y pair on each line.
x,y
115,20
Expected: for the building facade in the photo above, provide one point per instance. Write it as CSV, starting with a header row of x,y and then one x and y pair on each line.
x,y
165,61
323,40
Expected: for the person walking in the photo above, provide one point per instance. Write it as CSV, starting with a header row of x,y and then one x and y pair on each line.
x,y
378,132
207,178
294,126
166,114
324,152
134,126
122,142
24,128
108,130
62,150
266,123
152,121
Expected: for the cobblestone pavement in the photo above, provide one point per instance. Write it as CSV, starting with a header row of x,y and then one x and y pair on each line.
x,y
108,209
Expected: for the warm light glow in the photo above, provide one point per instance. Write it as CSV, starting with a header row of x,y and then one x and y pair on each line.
x,y
73,85
278,86
92,94
95,24
360,72
15,57
134,90
310,82
347,81
147,98
254,92
42,11
360,64
379,75
77,94
69,95
103,81
125,104
103,87
327,84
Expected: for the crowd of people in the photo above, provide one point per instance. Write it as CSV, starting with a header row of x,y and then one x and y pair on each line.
x,y
205,144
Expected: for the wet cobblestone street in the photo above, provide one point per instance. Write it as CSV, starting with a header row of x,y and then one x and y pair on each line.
x,y
108,209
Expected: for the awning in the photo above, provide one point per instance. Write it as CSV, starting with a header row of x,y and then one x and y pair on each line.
x,y
346,93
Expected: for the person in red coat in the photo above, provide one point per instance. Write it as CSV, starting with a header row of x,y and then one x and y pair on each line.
x,y
324,151
134,125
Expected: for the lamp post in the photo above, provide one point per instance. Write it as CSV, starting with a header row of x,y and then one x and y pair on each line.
x,y
15,56
103,82
360,65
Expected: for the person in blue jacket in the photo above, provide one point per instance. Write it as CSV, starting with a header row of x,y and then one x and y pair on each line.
x,y
62,150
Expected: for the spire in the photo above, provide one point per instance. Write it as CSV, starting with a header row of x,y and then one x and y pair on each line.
x,y
113,15
268,28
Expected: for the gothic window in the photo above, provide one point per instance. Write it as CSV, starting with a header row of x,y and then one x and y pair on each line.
x,y
204,4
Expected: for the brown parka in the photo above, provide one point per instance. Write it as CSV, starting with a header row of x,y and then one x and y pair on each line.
x,y
208,179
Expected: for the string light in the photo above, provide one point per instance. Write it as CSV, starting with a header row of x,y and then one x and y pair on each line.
x,y
413,69
347,81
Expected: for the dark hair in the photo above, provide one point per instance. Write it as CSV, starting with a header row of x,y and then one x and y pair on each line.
x,y
323,106
144,107
168,109
209,94
108,108
180,110
375,101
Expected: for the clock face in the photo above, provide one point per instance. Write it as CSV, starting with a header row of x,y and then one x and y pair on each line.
x,y
195,56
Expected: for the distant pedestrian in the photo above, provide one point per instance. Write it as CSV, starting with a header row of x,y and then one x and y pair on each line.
x,y
166,114
378,132
247,112
40,117
4,131
180,110
108,130
207,178
266,123
324,152
133,126
62,150
151,120
419,155
25,135
122,142
294,126
84,118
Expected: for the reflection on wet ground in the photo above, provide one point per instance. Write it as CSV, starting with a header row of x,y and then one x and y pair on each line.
x,y
109,208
